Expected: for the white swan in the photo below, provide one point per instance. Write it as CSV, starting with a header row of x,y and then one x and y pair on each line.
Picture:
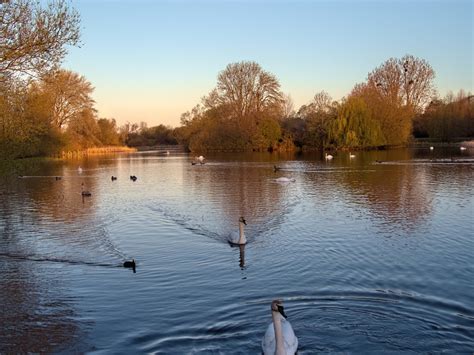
x,y
462,148
200,158
431,148
238,238
79,170
351,156
285,179
329,156
279,339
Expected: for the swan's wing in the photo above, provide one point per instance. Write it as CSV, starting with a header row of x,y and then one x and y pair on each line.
x,y
268,341
234,237
291,341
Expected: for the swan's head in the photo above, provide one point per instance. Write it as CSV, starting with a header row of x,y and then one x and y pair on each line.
x,y
277,306
242,220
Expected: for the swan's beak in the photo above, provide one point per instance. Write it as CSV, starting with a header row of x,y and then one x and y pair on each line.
x,y
281,309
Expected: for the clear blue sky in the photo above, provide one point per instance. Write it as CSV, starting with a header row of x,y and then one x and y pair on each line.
x,y
152,60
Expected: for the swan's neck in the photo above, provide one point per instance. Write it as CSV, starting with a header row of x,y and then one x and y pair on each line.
x,y
242,239
280,345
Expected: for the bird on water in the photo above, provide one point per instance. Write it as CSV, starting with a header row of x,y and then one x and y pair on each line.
x,y
279,339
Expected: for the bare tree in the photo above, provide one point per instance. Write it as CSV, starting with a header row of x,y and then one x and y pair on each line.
x,y
33,39
407,81
247,89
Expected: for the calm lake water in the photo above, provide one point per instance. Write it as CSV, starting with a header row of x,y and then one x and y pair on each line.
x,y
367,257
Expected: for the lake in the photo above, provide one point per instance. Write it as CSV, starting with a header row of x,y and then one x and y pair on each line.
x,y
367,256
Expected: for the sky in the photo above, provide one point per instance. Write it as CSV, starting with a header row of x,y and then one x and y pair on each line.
x,y
153,60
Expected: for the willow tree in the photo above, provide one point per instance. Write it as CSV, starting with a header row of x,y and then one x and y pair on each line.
x,y
33,39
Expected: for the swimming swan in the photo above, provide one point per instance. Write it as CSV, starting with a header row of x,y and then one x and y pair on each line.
x,y
462,148
279,339
238,238
351,156
79,170
329,156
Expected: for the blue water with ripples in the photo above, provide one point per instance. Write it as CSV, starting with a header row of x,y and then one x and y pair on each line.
x,y
367,256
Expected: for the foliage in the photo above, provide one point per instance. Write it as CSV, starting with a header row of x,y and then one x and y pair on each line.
x,y
354,126
33,39
447,119
144,136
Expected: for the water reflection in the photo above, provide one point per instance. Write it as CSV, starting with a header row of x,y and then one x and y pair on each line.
x,y
314,242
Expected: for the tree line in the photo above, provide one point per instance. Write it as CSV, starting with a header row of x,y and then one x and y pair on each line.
x,y
44,108
248,111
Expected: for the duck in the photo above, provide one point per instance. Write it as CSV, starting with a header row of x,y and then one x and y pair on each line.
x,y
329,156
85,192
113,178
238,238
129,263
133,178
276,168
193,163
351,156
279,339
58,178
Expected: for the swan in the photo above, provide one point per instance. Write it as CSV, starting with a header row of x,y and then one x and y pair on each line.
x,y
79,170
462,148
431,148
279,339
238,238
85,192
329,156
200,158
351,156
285,179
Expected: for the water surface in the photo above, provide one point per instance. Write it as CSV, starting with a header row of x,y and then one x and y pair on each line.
x,y
367,256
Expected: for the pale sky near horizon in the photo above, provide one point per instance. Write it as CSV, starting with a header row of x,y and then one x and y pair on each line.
x,y
153,60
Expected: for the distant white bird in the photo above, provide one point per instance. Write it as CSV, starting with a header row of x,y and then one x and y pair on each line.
x,y
79,170
279,339
351,156
285,179
167,152
329,156
462,148
431,148
238,238
200,158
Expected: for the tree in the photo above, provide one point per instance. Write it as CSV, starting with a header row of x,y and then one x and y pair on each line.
x,y
354,126
68,95
318,115
246,89
33,39
407,81
108,134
